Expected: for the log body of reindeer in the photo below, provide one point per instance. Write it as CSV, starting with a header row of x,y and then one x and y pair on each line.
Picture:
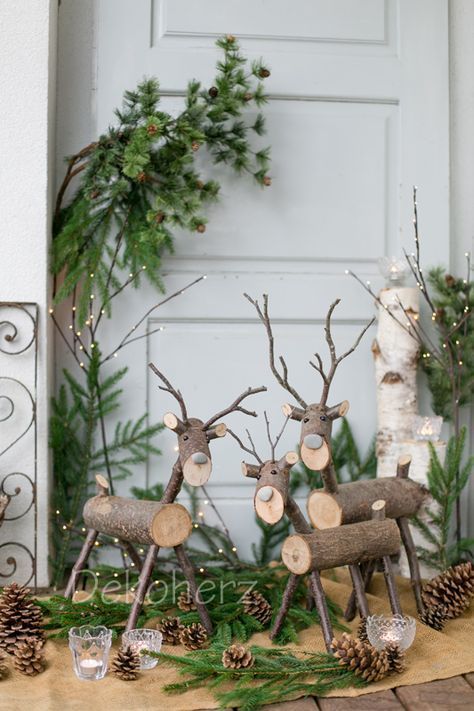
x,y
335,504
164,523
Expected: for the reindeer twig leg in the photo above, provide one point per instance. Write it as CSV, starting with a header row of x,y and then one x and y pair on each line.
x,y
143,582
290,588
391,586
322,608
367,570
412,558
358,584
80,562
187,568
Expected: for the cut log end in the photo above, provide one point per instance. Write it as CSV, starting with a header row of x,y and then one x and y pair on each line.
x,y
171,421
171,526
220,429
291,458
296,555
102,484
287,409
378,510
197,474
269,504
316,459
323,510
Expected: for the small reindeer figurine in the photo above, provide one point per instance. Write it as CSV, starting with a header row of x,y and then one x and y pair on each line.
x,y
307,552
337,504
272,501
164,523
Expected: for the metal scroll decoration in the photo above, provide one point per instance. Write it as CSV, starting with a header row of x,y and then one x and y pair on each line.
x,y
18,442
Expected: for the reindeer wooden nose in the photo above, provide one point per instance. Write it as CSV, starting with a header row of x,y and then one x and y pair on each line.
x,y
313,441
265,493
199,458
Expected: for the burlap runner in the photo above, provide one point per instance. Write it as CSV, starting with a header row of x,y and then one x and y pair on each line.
x,y
434,655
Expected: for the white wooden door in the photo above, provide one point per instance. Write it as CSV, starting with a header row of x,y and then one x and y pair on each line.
x,y
358,113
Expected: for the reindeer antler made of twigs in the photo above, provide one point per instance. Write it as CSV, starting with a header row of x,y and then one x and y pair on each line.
x,y
335,360
282,378
250,450
236,407
168,388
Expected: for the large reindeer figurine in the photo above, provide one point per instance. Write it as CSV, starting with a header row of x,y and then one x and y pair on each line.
x,y
307,552
337,504
164,523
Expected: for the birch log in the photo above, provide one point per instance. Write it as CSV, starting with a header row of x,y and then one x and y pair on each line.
x,y
420,461
144,522
395,354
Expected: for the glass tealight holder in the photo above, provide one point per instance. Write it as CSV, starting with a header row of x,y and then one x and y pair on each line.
x,y
394,270
391,629
427,428
144,639
90,647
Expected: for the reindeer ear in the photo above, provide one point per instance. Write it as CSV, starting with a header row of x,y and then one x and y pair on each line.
x,y
288,461
219,430
338,410
173,423
295,413
250,470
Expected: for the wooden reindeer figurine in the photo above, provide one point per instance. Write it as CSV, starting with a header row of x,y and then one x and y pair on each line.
x,y
272,501
164,523
337,504
308,551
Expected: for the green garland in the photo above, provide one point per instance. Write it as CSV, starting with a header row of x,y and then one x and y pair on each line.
x,y
276,675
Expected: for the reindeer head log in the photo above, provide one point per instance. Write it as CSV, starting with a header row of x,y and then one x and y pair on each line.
x,y
193,444
316,427
271,492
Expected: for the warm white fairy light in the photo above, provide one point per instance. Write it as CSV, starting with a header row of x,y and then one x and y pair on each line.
x,y
234,549
92,296
115,575
70,326
220,550
201,570
196,525
116,540
73,308
115,355
81,364
51,311
78,333
201,514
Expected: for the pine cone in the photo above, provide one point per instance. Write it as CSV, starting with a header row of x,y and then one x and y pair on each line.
x,y
264,73
363,659
396,659
237,657
170,628
434,616
362,630
267,181
28,657
450,281
453,588
213,91
257,606
3,667
201,228
126,664
193,637
185,602
19,618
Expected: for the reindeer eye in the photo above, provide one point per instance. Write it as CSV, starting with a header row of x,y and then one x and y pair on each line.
x,y
185,437
258,477
323,418
306,419
274,471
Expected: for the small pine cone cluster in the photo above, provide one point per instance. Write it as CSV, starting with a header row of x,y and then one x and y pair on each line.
x,y
20,618
185,602
237,657
28,657
257,606
193,636
170,628
396,659
453,589
361,658
434,617
126,664
362,630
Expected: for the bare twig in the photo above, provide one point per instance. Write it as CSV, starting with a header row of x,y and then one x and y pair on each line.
x,y
335,359
236,407
170,389
282,378
251,451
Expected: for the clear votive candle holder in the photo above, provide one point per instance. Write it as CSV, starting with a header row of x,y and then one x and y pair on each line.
x,y
143,639
391,629
90,647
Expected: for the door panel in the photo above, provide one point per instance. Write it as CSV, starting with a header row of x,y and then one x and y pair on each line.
x,y
358,113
